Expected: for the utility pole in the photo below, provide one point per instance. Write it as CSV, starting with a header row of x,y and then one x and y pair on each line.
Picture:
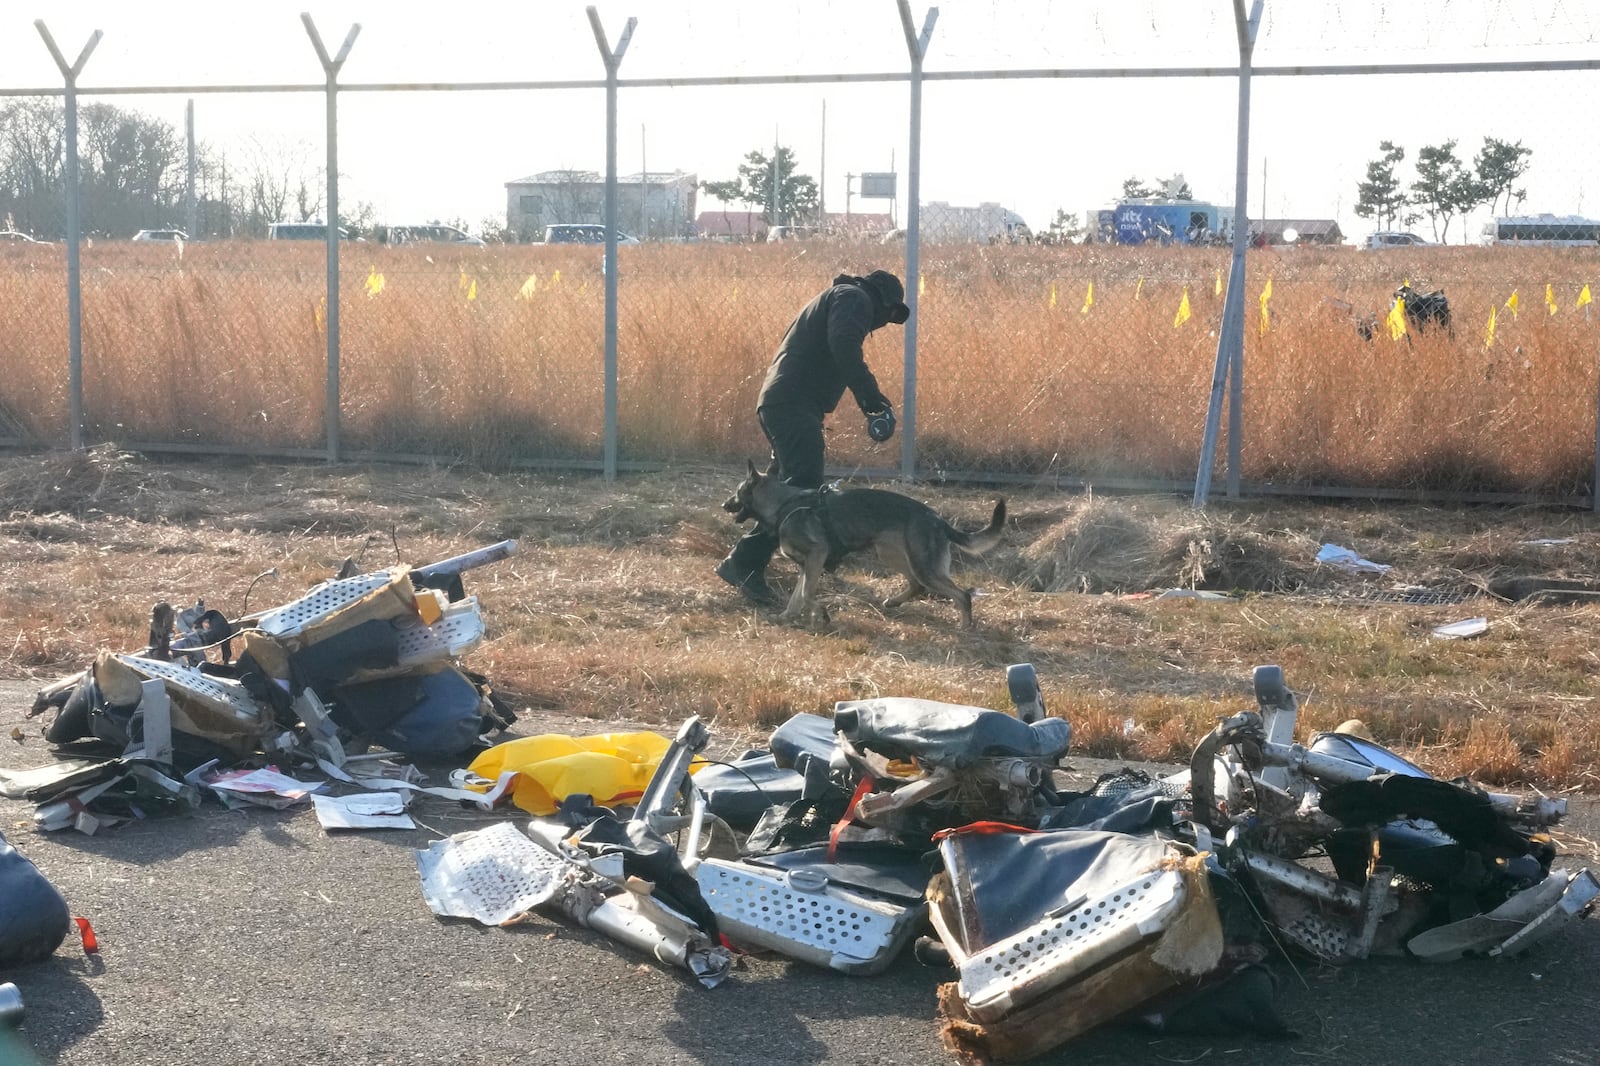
x,y
772,211
822,173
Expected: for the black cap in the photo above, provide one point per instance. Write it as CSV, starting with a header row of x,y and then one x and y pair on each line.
x,y
891,293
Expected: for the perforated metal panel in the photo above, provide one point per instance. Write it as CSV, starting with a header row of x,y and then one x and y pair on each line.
x,y
815,922
1304,923
223,693
491,874
1026,965
457,632
320,603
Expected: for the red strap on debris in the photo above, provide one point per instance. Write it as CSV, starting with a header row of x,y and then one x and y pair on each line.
x,y
91,945
984,828
849,812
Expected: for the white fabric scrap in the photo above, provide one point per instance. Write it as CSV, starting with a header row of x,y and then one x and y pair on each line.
x,y
1345,559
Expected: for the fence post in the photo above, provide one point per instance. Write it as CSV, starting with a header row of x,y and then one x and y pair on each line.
x,y
69,74
917,46
1230,339
612,58
330,67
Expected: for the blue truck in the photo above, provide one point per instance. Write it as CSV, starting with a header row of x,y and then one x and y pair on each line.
x,y
1161,222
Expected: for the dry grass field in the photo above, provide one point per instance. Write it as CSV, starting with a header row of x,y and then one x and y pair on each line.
x,y
1044,361
609,608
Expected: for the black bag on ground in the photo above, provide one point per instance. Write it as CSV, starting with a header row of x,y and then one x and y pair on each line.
x,y
33,916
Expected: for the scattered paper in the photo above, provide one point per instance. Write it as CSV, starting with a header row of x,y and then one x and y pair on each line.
x,y
1547,542
365,810
1345,559
265,787
1467,627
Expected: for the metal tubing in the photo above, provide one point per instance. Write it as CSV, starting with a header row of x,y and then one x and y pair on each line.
x,y
917,47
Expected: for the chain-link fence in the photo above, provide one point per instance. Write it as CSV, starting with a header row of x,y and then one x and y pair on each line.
x,y
1067,232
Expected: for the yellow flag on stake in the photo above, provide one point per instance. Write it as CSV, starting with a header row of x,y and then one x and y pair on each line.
x,y
374,282
1183,310
1584,297
463,282
1511,304
1137,289
1550,298
1397,319
529,287
922,285
1218,289
1052,296
1488,333
1266,318
472,290
555,279
1088,300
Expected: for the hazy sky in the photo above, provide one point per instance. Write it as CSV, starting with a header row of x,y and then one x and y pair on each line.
x,y
1032,145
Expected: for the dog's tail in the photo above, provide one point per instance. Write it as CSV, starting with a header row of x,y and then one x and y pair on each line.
x,y
984,539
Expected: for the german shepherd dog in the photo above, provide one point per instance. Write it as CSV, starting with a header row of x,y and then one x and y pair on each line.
x,y
817,528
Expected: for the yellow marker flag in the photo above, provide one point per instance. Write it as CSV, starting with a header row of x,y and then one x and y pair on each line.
x,y
529,287
1052,296
1266,318
1488,333
472,290
1183,310
1583,298
1137,289
1511,304
922,285
1397,319
555,279
1218,290
1550,298
374,282
463,283
1088,299
320,316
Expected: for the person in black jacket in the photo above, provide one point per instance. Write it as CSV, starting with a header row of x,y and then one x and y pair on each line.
x,y
819,357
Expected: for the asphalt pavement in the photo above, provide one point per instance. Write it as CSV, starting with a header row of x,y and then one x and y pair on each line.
x,y
256,937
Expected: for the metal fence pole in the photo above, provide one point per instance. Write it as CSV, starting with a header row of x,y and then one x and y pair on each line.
x,y
69,73
612,58
330,67
917,46
191,208
1230,340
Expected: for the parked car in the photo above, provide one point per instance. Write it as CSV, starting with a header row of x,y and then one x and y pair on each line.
x,y
1394,239
582,233
791,233
432,232
161,235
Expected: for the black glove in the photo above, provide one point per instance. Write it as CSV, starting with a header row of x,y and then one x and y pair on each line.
x,y
873,403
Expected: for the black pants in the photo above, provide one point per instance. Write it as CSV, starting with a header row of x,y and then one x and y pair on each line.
x,y
795,434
